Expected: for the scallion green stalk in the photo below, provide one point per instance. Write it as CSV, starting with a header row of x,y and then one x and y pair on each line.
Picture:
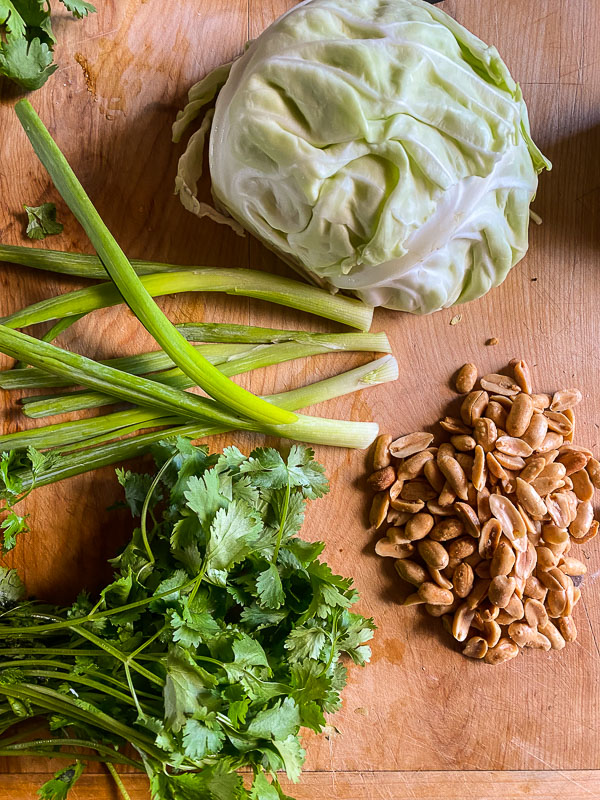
x,y
32,378
236,364
241,282
339,433
135,294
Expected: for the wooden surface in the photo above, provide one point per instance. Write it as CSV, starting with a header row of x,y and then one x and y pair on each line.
x,y
420,721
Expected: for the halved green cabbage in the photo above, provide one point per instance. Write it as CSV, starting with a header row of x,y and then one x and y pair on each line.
x,y
377,146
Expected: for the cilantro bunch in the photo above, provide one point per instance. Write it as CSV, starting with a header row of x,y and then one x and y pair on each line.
x,y
221,635
27,39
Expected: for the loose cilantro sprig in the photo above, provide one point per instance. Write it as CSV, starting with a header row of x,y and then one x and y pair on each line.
x,y
27,39
221,635
41,221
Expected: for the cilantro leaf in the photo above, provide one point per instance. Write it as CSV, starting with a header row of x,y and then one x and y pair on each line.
x,y
262,789
278,722
136,488
304,471
266,468
58,787
26,44
78,8
232,534
202,737
292,754
42,219
269,588
185,685
304,642
11,526
27,63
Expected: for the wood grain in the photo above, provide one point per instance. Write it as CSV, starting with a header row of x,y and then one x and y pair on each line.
x,y
420,721
457,785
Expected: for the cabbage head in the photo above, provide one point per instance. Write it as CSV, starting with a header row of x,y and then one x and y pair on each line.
x,y
377,146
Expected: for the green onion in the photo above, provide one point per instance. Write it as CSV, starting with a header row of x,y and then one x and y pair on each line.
x,y
236,364
243,282
123,386
32,378
130,286
339,433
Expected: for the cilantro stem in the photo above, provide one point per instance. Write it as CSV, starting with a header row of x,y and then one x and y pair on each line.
x,y
147,499
118,782
17,749
284,514
132,288
170,279
77,621
48,698
116,653
148,642
136,702
53,753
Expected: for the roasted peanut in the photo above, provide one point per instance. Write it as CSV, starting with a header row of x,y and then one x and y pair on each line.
x,y
572,566
533,468
525,636
552,441
522,375
530,499
573,461
473,406
503,560
479,471
476,647
462,442
496,412
535,589
434,475
566,398
520,415
447,495
447,529
382,479
512,463
417,490
559,423
386,548
505,650
546,559
411,572
513,446
501,590
454,425
536,431
541,401
381,452
379,509
454,474
491,632
593,470
551,632
418,526
434,595
410,444
485,433
581,524
566,626
433,554
469,518
499,384
463,617
463,579
535,613
466,378
582,485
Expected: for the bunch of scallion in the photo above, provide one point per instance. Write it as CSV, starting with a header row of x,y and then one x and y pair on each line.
x,y
153,384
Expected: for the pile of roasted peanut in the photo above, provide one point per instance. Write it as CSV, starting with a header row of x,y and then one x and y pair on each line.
x,y
483,524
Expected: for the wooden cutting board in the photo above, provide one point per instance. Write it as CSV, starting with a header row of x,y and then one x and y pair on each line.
x,y
421,721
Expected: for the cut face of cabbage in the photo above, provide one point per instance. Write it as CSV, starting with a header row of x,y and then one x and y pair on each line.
x,y
378,147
